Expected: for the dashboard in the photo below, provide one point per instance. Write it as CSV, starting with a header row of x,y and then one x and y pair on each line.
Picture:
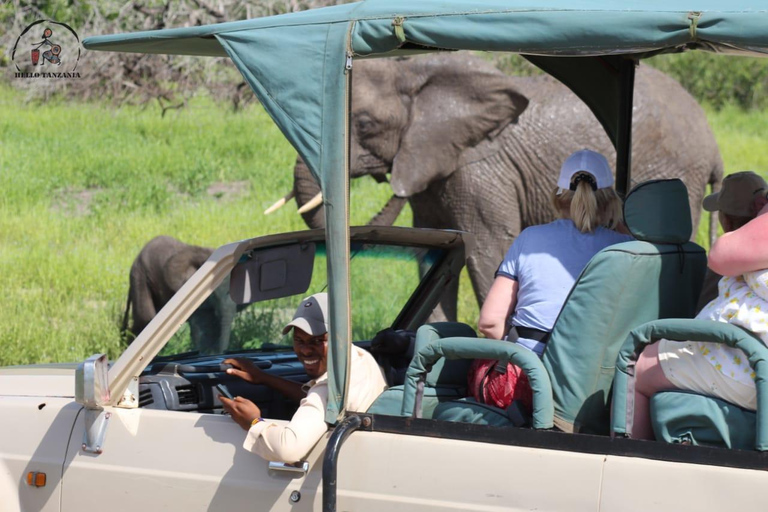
x,y
190,385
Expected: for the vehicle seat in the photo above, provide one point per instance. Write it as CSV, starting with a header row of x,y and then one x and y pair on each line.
x,y
681,416
658,275
447,379
467,410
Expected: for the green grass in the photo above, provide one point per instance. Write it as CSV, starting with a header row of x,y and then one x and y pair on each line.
x,y
84,187
741,137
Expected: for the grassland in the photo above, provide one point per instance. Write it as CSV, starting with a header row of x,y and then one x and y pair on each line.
x,y
85,186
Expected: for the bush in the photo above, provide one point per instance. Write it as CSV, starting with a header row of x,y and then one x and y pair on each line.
x,y
712,79
719,80
137,78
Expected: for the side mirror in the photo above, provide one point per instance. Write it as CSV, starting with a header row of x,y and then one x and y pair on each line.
x,y
91,382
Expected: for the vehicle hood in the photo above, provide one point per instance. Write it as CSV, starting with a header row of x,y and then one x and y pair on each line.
x,y
57,379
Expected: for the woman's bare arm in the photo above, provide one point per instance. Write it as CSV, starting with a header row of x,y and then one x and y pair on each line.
x,y
498,305
742,250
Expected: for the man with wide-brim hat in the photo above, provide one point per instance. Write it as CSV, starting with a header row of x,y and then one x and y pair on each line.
x,y
292,441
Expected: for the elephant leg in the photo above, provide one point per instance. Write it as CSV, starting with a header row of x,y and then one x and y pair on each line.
x,y
140,297
426,214
225,314
211,325
446,310
196,331
202,330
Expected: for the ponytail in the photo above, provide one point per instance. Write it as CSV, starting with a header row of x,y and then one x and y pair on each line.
x,y
583,208
589,209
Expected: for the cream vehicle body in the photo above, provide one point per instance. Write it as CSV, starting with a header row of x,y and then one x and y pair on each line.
x,y
105,445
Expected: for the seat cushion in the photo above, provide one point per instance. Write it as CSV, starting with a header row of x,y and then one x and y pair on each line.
x,y
683,417
390,402
468,410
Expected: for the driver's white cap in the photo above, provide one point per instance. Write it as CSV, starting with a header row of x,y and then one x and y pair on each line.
x,y
590,162
311,315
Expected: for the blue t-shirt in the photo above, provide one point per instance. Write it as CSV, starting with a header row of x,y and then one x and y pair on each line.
x,y
545,261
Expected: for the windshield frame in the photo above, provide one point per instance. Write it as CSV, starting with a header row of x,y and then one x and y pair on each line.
x,y
140,354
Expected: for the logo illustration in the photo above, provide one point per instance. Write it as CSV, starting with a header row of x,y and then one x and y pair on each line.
x,y
47,49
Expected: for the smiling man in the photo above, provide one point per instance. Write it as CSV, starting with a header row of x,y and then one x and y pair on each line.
x,y
278,441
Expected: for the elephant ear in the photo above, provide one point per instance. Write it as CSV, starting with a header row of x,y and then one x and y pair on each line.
x,y
449,115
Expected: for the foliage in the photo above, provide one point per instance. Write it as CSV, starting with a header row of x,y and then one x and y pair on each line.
x,y
710,78
719,81
136,78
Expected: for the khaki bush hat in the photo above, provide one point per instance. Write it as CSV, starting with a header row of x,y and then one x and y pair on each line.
x,y
736,195
311,315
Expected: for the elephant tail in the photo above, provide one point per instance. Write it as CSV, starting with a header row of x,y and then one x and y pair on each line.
x,y
715,182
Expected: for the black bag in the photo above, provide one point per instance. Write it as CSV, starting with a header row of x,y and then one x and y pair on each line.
x,y
393,350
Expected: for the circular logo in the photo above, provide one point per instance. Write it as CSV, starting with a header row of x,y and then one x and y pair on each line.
x,y
46,48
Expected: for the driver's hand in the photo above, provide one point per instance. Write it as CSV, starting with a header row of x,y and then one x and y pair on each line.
x,y
242,410
245,369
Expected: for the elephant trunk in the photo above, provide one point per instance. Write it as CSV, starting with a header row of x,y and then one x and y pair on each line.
x,y
388,214
305,188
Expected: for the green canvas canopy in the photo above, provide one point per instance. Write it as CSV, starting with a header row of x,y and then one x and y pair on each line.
x,y
299,66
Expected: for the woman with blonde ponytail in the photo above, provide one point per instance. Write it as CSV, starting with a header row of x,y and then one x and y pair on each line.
x,y
542,265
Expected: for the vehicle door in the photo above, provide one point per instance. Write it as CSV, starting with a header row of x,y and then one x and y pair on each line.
x,y
636,484
379,471
172,460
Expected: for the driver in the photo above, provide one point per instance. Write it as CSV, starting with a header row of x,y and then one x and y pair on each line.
x,y
292,441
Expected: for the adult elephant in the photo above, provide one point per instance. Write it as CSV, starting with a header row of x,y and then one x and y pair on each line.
x,y
162,266
473,149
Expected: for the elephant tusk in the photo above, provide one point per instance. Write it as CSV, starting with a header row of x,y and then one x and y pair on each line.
x,y
280,203
312,203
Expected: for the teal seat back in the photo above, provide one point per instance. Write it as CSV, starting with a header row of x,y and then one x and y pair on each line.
x,y
659,275
445,372
446,380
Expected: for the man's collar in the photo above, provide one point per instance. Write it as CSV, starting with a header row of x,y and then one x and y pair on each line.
x,y
321,379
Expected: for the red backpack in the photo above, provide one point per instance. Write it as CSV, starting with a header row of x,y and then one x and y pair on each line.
x,y
489,382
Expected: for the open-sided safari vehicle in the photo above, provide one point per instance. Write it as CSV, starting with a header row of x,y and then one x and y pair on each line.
x,y
145,433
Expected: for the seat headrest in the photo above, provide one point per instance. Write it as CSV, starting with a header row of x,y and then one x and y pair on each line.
x,y
658,212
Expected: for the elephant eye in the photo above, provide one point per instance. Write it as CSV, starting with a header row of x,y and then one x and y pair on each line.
x,y
364,124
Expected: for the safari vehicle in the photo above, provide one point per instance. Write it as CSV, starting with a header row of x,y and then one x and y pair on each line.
x,y
145,433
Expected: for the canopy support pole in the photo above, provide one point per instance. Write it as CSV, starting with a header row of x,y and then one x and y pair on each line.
x,y
335,187
624,134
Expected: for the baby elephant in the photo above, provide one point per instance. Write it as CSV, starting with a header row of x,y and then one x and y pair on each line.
x,y
160,269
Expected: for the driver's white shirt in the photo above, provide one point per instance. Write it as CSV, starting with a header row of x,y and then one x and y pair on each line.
x,y
291,441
